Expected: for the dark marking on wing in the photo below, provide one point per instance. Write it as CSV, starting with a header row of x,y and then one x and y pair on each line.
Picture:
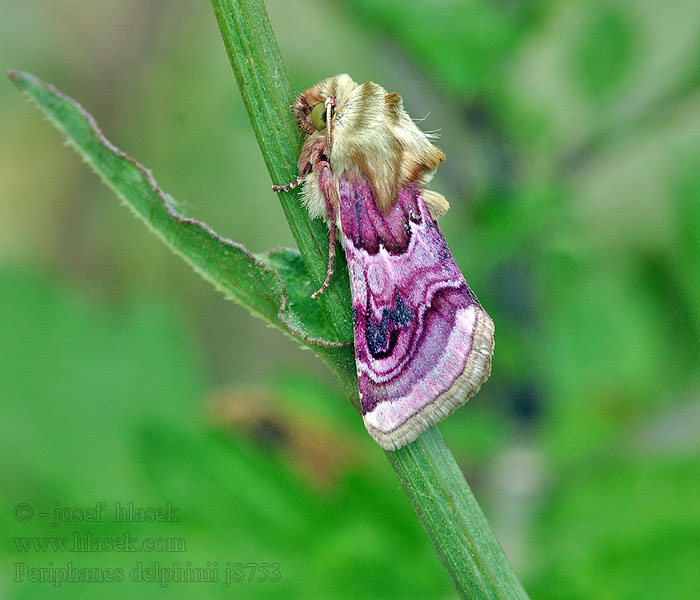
x,y
383,335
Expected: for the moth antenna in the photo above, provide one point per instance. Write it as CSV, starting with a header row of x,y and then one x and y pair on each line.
x,y
330,102
329,272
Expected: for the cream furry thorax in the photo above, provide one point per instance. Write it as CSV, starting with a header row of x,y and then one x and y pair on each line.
x,y
373,136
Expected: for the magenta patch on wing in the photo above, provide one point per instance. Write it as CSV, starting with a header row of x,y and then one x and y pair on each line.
x,y
423,343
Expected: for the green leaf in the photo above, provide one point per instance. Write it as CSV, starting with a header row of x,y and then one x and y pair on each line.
x,y
253,281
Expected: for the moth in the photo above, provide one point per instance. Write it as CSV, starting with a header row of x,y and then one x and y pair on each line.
x,y
423,343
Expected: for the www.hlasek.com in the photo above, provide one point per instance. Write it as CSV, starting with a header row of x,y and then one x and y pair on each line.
x,y
87,542
162,574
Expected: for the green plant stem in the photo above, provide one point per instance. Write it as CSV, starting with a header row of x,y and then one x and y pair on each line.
x,y
264,86
426,468
453,520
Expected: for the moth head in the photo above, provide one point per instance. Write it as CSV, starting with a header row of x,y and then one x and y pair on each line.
x,y
316,108
365,131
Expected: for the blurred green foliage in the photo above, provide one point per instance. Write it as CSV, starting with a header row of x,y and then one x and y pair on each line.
x,y
77,432
573,140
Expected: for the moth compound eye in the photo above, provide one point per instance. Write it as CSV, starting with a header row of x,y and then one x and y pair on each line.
x,y
318,116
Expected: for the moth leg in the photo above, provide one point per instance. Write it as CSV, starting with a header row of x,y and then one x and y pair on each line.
x,y
289,186
294,183
331,252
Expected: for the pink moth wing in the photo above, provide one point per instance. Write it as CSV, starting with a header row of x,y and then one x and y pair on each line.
x,y
423,343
